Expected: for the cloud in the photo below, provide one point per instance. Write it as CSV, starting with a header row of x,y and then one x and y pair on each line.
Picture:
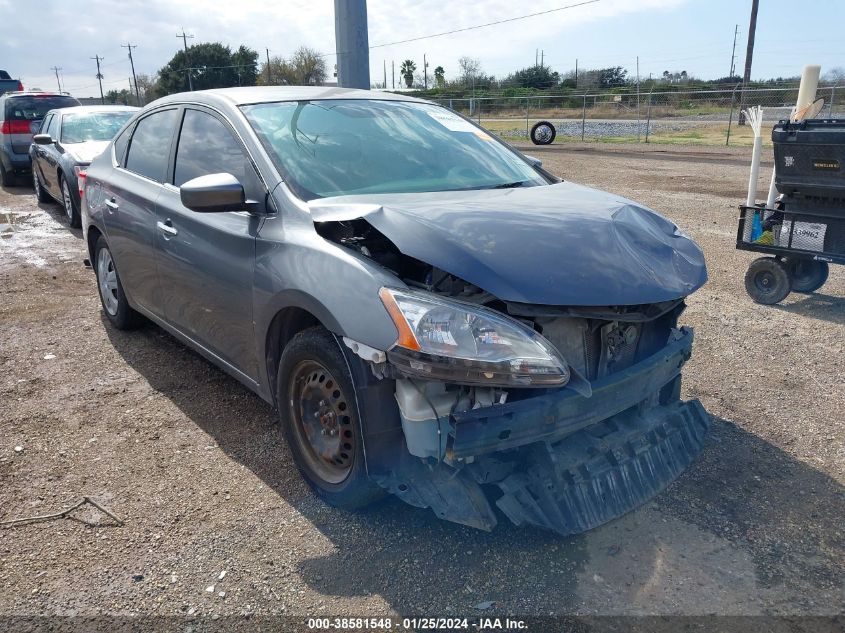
x,y
101,26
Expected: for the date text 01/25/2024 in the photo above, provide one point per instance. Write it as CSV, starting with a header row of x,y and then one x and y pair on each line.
x,y
416,624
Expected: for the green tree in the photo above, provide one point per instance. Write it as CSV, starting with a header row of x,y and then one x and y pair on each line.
x,y
120,97
407,71
440,77
211,65
306,67
540,77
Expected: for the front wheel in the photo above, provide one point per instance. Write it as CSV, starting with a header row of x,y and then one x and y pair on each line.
x,y
807,275
320,421
7,177
767,280
114,301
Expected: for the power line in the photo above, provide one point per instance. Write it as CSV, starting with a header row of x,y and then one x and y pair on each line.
x,y
478,26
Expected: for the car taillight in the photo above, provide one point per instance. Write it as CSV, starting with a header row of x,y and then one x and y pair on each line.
x,y
81,175
20,87
15,127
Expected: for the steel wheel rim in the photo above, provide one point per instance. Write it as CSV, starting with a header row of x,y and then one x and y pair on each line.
x,y
543,133
107,280
68,202
764,282
322,422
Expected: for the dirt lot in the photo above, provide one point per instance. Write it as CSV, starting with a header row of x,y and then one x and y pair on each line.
x,y
194,463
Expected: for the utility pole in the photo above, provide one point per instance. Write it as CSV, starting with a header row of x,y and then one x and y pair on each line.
x,y
425,72
56,69
733,53
749,54
100,78
542,58
185,37
352,44
130,46
536,56
393,73
268,66
385,73
576,72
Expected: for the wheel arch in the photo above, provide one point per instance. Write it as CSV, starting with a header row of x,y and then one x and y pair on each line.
x,y
91,241
294,313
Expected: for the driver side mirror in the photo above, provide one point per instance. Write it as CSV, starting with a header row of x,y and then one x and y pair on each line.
x,y
42,139
214,193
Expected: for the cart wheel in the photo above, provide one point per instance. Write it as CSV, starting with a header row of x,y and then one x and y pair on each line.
x,y
807,275
543,133
767,280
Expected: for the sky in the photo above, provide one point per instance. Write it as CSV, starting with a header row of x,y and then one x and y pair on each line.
x,y
674,35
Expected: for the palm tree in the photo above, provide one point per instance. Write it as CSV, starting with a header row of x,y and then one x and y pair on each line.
x,y
440,76
407,71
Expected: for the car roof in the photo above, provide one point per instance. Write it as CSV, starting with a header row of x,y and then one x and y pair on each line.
x,y
94,109
269,94
34,93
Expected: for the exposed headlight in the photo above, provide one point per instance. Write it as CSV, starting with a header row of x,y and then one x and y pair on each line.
x,y
442,339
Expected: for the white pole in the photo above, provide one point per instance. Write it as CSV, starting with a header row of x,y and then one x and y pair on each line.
x,y
755,117
806,96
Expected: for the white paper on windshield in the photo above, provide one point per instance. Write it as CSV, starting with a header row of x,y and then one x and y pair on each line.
x,y
452,121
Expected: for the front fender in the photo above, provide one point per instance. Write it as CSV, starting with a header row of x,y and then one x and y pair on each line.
x,y
295,267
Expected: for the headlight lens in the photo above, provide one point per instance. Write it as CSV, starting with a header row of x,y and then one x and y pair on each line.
x,y
441,339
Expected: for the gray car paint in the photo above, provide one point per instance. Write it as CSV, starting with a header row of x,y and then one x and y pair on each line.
x,y
293,267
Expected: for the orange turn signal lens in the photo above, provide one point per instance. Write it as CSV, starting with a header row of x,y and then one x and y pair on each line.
x,y
406,335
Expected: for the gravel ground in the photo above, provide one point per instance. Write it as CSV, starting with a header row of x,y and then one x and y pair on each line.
x,y
194,464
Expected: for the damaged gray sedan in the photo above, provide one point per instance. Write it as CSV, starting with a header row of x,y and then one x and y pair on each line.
x,y
432,313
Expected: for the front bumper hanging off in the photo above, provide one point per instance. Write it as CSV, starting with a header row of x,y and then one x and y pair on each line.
x,y
562,461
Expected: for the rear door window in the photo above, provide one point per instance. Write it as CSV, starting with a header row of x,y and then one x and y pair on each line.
x,y
120,144
53,126
149,147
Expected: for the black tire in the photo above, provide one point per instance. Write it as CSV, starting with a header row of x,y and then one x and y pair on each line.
x,y
543,133
40,193
767,281
69,204
7,178
806,275
117,310
315,391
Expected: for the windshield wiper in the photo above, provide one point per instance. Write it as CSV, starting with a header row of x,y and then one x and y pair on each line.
x,y
509,185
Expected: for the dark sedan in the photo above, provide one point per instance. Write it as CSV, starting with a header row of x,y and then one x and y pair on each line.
x,y
69,139
432,313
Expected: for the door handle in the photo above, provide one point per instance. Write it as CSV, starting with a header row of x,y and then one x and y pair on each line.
x,y
111,205
167,227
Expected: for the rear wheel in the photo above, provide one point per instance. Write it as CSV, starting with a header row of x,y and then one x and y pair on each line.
x,y
114,301
767,280
319,416
69,203
7,178
807,275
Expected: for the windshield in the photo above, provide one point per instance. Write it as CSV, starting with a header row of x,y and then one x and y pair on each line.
x,y
92,126
343,147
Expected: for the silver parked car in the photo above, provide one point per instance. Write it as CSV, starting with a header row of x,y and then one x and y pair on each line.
x,y
432,313
68,140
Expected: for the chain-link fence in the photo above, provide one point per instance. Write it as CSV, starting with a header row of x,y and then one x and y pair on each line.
x,y
695,117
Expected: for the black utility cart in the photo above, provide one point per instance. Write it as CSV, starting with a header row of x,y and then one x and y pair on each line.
x,y
805,231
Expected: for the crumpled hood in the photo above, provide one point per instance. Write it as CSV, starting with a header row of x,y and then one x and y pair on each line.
x,y
87,151
561,244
